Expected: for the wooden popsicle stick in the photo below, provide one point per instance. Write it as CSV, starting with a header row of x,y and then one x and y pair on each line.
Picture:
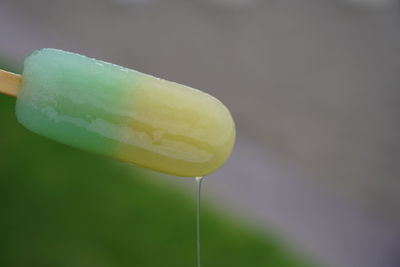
x,y
9,83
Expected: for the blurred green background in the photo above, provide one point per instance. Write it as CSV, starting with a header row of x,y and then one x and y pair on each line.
x,y
64,207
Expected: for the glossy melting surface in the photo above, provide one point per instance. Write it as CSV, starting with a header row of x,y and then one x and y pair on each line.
x,y
125,114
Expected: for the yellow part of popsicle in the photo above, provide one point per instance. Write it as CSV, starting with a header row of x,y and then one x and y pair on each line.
x,y
176,129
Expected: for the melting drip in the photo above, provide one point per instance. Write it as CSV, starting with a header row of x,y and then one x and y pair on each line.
x,y
199,180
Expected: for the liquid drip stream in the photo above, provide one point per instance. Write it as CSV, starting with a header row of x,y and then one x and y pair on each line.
x,y
199,180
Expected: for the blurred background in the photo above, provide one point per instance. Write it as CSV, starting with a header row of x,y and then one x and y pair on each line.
x,y
313,181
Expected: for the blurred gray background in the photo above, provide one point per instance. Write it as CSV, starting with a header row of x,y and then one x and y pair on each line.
x,y
313,87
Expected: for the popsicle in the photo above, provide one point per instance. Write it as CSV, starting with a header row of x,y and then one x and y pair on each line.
x,y
122,113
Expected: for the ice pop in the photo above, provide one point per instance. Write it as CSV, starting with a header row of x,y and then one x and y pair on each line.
x,y
131,116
